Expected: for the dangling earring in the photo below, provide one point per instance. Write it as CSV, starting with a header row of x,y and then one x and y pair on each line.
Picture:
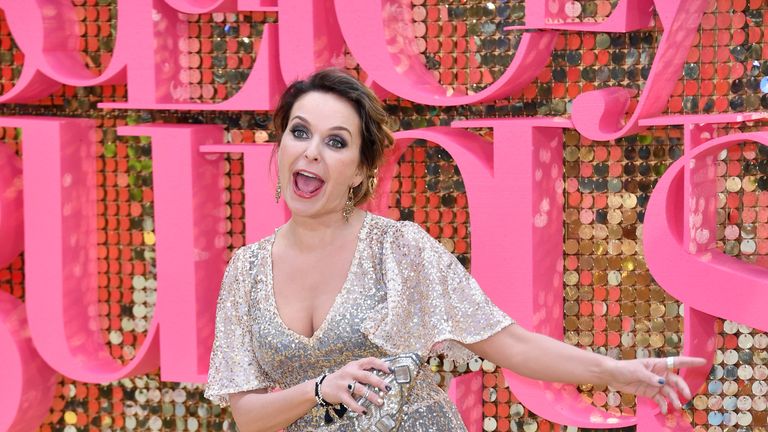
x,y
372,185
278,191
349,206
373,181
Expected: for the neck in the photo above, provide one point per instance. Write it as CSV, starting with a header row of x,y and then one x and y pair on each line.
x,y
309,233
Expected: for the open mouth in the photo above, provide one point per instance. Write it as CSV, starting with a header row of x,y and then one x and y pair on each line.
x,y
307,184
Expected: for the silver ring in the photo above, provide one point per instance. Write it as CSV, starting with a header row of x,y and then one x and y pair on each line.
x,y
351,386
367,392
670,363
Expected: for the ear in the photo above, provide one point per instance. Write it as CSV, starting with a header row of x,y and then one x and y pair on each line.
x,y
359,176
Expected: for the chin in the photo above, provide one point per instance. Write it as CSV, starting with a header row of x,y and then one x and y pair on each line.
x,y
303,208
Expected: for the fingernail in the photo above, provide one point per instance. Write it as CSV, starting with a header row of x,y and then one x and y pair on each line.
x,y
389,388
662,381
365,412
380,401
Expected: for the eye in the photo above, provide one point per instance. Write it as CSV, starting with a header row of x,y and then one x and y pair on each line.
x,y
299,132
337,142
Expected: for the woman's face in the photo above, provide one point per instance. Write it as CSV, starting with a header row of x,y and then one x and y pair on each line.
x,y
319,155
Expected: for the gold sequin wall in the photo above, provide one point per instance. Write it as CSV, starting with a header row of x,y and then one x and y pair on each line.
x,y
612,303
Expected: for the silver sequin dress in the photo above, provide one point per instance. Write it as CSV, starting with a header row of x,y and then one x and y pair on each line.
x,y
404,293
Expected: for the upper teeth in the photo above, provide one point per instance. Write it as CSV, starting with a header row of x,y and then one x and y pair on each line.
x,y
307,174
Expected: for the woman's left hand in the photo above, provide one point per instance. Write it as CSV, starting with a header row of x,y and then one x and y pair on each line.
x,y
653,378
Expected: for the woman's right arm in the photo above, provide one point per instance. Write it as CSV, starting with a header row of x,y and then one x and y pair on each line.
x,y
259,411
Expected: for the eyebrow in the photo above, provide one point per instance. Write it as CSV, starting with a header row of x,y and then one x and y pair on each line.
x,y
297,116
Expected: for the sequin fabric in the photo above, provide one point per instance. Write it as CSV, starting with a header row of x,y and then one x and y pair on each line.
x,y
404,293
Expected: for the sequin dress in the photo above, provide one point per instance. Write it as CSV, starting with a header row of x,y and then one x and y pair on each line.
x,y
404,293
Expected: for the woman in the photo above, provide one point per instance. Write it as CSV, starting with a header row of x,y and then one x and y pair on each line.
x,y
313,308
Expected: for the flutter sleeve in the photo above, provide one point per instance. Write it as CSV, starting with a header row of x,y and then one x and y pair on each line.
x,y
432,301
234,367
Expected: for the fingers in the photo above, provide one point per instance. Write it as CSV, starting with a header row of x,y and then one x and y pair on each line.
x,y
679,384
366,377
686,362
339,388
369,393
671,395
652,379
352,404
374,363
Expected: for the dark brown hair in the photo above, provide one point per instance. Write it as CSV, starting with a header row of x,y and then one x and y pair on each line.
x,y
376,137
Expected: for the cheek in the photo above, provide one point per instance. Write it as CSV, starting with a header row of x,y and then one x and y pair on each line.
x,y
347,169
287,152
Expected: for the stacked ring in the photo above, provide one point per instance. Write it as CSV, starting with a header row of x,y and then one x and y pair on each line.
x,y
367,392
351,387
670,363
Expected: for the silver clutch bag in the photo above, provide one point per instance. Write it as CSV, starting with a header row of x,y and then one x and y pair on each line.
x,y
387,418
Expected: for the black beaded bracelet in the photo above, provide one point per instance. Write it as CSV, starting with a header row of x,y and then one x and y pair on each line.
x,y
318,395
339,409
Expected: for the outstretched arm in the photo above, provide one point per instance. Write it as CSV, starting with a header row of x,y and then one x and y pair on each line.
x,y
540,357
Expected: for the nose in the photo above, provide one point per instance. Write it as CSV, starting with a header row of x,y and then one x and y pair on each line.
x,y
312,152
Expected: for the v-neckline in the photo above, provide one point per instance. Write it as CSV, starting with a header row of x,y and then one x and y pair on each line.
x,y
336,300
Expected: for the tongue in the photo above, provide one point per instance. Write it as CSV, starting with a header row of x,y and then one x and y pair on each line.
x,y
307,184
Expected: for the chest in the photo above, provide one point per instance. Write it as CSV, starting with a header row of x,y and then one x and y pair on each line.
x,y
310,276
306,286
293,356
